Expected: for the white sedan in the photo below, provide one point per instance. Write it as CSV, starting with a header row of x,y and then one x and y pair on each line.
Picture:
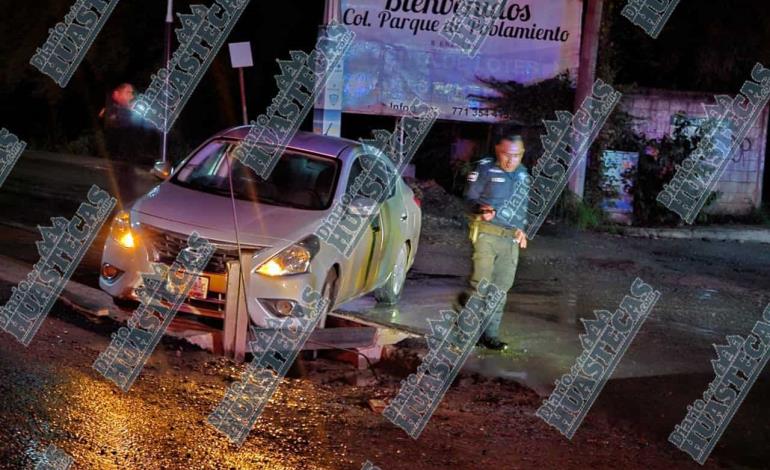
x,y
276,220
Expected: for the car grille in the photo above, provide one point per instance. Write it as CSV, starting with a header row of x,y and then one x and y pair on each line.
x,y
167,246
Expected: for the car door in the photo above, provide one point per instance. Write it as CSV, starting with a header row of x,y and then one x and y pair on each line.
x,y
388,233
390,238
360,268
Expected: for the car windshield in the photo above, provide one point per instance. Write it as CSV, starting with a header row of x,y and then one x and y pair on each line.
x,y
298,180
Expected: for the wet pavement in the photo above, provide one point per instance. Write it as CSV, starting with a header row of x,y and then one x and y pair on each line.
x,y
44,185
708,290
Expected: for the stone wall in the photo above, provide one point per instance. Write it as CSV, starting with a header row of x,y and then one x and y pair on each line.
x,y
741,183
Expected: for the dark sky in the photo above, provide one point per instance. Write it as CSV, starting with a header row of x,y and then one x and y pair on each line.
x,y
707,45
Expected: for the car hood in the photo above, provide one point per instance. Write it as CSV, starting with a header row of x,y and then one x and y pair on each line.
x,y
179,209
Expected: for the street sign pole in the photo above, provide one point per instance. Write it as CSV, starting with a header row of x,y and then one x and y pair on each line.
x,y
243,97
240,57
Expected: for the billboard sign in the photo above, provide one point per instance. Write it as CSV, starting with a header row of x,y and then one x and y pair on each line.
x,y
400,54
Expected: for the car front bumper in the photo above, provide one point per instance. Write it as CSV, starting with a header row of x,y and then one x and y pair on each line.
x,y
132,262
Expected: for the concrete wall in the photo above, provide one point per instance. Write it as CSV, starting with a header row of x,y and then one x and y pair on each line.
x,y
741,183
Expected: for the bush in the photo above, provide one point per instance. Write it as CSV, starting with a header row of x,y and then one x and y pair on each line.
x,y
658,162
576,212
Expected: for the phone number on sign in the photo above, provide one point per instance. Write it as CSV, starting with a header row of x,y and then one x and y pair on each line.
x,y
479,112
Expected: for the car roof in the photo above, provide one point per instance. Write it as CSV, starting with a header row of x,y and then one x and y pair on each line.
x,y
316,143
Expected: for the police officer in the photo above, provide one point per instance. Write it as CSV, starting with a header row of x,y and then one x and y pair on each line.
x,y
498,225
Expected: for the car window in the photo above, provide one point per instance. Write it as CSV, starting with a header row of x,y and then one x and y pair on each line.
x,y
204,162
298,180
371,177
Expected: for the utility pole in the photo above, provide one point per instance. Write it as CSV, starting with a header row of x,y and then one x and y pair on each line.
x,y
589,46
167,57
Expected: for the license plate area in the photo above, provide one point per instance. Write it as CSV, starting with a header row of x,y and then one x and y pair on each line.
x,y
200,288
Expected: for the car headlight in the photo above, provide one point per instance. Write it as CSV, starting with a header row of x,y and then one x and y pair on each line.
x,y
292,260
121,230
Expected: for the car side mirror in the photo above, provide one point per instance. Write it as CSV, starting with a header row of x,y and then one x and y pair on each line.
x,y
161,170
363,207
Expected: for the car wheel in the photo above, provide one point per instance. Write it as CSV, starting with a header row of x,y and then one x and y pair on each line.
x,y
390,293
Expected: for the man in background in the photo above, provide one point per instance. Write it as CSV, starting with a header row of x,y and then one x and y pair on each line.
x,y
129,143
119,131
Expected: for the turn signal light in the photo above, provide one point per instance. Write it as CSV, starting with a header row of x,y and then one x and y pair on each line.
x,y
121,230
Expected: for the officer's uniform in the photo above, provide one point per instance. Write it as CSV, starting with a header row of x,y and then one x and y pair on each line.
x,y
495,249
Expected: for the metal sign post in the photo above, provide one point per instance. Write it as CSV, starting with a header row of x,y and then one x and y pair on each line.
x,y
240,57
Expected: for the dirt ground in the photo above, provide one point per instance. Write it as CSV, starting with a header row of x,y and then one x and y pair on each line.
x,y
50,394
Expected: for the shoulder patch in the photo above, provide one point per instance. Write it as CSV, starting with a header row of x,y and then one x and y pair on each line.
x,y
523,175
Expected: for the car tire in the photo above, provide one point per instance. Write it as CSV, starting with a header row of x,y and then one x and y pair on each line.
x,y
390,292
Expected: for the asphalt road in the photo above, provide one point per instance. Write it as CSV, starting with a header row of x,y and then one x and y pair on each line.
x,y
44,185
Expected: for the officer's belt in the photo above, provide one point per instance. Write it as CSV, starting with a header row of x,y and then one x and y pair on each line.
x,y
492,229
